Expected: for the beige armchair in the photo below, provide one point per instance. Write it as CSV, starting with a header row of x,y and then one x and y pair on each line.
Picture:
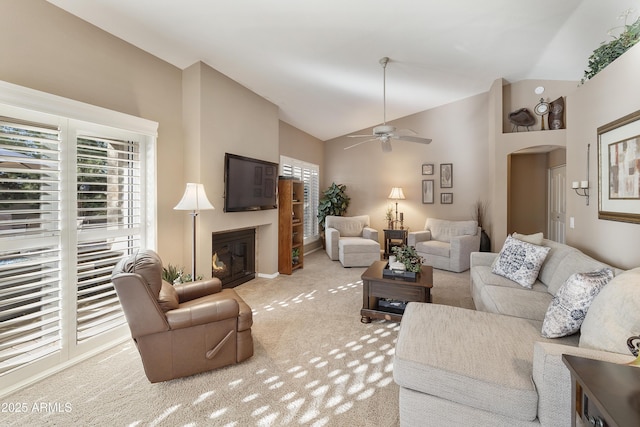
x,y
184,329
351,240
445,244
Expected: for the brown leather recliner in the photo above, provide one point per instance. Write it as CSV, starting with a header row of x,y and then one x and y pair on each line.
x,y
183,329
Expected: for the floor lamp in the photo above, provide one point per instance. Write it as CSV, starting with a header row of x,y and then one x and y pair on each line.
x,y
195,200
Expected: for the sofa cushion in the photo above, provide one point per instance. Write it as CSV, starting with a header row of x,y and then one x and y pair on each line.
x,y
434,247
534,239
614,315
574,262
487,366
520,261
349,228
350,245
572,301
444,230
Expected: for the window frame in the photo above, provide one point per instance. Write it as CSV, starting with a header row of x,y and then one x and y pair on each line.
x,y
74,118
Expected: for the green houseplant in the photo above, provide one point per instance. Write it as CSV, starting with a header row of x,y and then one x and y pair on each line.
x,y
334,201
409,257
608,52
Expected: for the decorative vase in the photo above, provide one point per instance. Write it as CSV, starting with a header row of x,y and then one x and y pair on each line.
x,y
485,242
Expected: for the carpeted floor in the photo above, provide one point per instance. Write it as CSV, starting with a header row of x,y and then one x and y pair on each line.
x,y
315,364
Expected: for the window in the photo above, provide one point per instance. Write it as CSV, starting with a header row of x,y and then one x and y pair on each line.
x,y
308,173
74,199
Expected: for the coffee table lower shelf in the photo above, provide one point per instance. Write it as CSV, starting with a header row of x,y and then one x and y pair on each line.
x,y
375,287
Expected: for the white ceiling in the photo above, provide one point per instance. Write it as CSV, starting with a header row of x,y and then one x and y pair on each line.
x,y
318,59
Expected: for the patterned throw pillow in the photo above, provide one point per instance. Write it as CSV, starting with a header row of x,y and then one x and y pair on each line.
x,y
520,261
570,304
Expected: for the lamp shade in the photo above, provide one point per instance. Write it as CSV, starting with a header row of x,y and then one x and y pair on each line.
x,y
194,199
396,193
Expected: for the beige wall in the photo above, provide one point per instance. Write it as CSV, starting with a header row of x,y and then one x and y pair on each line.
x,y
229,118
50,50
611,94
459,132
299,145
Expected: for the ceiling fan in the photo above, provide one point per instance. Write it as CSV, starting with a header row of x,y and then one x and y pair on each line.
x,y
384,132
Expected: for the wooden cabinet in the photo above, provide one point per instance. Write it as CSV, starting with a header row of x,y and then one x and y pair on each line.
x,y
290,224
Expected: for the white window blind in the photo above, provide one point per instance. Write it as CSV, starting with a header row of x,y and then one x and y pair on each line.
x,y
76,196
308,173
109,203
30,286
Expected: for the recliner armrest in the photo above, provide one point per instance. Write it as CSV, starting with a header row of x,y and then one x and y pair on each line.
x,y
201,314
192,290
418,236
332,235
370,233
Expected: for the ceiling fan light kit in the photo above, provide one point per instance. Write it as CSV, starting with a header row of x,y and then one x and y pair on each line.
x,y
384,132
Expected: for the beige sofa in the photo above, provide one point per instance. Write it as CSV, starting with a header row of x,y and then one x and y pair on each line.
x,y
491,366
446,244
351,240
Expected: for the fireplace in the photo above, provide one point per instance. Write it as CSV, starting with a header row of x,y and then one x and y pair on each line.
x,y
234,256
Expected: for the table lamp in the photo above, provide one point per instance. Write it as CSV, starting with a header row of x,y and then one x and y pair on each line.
x,y
397,194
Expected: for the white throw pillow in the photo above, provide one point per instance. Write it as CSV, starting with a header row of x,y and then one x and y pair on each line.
x,y
520,261
569,306
614,315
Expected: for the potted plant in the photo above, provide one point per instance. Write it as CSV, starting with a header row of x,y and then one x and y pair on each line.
x,y
334,201
608,52
412,262
295,255
388,216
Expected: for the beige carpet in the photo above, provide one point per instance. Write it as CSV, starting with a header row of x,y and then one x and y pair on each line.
x,y
315,364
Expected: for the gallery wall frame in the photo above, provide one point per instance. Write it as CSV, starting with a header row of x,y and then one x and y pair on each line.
x,y
619,169
427,169
446,198
446,175
428,190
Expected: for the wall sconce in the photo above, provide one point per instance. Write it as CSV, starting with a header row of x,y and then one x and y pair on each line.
x,y
583,185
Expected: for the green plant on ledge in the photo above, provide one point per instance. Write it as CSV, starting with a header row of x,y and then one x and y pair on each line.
x,y
610,51
409,257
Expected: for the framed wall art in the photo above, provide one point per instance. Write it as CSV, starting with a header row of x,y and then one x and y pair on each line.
x,y
619,169
427,191
446,175
446,198
427,169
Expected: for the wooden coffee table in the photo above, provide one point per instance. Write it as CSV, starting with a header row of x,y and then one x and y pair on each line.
x,y
375,286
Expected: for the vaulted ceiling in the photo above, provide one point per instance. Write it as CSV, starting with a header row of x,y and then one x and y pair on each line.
x,y
318,59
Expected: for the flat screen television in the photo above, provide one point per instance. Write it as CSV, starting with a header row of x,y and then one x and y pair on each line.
x,y
249,184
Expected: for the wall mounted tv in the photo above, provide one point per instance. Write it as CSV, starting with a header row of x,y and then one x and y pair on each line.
x,y
249,184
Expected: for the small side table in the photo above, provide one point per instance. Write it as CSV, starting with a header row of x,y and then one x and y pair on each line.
x,y
605,394
394,238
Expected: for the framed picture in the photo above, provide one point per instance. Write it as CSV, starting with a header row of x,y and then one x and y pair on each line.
x,y
619,169
427,169
446,198
446,175
427,191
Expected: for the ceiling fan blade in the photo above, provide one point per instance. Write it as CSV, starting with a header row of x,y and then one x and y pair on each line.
x,y
407,132
386,145
359,136
412,139
361,142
